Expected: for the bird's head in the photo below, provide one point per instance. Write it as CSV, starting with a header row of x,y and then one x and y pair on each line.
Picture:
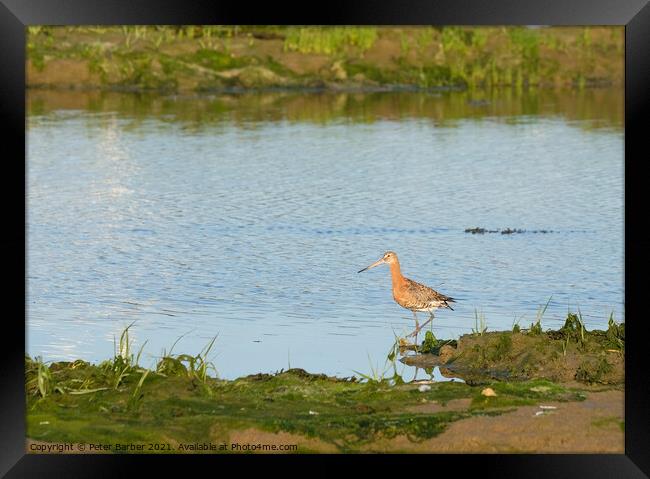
x,y
389,257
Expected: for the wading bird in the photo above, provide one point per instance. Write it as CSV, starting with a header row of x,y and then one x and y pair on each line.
x,y
411,295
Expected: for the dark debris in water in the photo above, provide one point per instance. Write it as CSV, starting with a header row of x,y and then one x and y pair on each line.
x,y
505,231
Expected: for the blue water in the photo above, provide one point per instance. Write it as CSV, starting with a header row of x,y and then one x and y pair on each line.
x,y
253,227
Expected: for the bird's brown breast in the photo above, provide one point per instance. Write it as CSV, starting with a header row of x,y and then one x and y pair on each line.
x,y
406,298
412,295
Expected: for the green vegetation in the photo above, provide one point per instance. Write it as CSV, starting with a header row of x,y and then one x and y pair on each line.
x,y
593,371
337,41
346,414
432,345
378,376
480,325
571,353
509,394
574,329
616,334
536,327
204,58
608,422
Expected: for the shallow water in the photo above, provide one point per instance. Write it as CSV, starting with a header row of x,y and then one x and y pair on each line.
x,y
248,217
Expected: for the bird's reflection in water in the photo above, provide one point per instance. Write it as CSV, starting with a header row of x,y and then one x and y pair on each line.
x,y
435,374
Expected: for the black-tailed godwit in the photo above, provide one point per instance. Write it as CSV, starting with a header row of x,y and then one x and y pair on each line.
x,y
410,294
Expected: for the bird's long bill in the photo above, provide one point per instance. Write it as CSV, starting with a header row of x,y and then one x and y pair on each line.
x,y
376,263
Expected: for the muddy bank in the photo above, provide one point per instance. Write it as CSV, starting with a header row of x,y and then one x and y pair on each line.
x,y
570,354
223,58
593,425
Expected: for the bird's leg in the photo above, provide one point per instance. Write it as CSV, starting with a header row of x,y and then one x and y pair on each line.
x,y
417,328
428,320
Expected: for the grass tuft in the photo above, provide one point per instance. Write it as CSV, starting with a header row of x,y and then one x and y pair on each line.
x,y
536,327
480,325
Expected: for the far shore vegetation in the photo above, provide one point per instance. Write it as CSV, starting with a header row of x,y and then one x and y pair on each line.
x,y
231,58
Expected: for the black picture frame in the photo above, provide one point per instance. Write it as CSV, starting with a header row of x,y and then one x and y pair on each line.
x,y
15,15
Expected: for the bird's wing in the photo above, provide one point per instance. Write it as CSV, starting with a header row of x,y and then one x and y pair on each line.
x,y
425,295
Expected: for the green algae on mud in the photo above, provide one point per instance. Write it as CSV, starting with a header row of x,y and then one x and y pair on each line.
x,y
178,403
82,403
569,354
